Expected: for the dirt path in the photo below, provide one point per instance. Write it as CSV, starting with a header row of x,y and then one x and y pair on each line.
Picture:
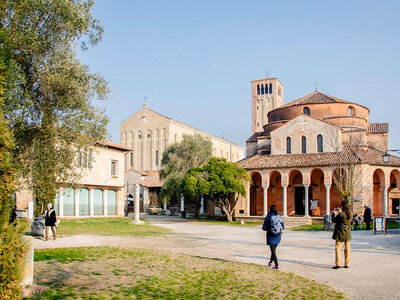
x,y
375,262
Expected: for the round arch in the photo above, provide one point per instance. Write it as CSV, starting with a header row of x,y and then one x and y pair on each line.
x,y
378,180
275,190
317,192
338,182
295,193
256,195
394,192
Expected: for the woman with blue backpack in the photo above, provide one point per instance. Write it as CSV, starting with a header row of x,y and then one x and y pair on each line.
x,y
273,225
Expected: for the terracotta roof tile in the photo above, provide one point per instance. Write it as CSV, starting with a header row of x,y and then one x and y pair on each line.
x,y
254,137
378,128
314,98
152,180
366,155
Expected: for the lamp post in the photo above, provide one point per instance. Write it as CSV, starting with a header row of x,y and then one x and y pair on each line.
x,y
386,156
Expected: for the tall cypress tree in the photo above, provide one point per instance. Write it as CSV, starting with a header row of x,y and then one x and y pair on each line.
x,y
12,249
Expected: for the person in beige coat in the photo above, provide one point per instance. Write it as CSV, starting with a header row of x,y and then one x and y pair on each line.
x,y
342,234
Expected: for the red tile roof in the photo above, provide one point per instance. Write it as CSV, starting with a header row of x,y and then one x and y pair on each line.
x,y
152,180
115,146
254,137
378,128
366,155
314,98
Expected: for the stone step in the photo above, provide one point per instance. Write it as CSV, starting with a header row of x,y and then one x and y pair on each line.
x,y
296,221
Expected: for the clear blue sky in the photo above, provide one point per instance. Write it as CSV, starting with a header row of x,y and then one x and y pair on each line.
x,y
194,60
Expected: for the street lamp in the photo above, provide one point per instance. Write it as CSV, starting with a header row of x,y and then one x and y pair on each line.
x,y
386,156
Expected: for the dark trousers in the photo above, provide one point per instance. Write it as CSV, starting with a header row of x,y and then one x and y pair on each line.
x,y
367,225
273,254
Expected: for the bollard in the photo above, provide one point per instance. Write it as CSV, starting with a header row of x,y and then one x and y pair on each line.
x,y
28,268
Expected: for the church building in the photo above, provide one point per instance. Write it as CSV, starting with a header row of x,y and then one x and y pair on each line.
x,y
149,133
300,152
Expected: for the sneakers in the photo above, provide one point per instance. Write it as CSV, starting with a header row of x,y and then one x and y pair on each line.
x,y
346,267
269,264
335,267
276,267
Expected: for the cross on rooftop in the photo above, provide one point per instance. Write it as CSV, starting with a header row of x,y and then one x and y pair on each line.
x,y
302,123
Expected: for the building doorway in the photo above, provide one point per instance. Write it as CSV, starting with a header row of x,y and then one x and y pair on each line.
x,y
299,200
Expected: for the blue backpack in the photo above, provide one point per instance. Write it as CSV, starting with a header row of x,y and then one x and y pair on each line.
x,y
276,224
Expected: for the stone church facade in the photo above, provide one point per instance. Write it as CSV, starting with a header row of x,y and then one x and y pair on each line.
x,y
148,133
297,149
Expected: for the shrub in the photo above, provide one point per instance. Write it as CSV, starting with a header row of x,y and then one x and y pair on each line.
x,y
12,249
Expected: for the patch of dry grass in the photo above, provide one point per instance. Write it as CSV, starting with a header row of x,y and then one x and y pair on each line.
x,y
116,273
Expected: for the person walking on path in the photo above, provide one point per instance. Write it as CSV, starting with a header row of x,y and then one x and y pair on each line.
x,y
342,234
50,221
367,217
273,225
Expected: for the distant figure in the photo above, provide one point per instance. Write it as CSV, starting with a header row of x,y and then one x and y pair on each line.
x,y
342,233
13,214
50,221
367,217
273,225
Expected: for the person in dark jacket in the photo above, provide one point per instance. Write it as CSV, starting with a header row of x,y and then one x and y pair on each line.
x,y
50,221
273,239
342,234
13,214
367,217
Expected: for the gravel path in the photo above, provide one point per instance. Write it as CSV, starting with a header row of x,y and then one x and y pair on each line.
x,y
375,263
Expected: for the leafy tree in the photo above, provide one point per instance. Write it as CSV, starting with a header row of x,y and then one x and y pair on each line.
x,y
226,183
12,249
195,186
48,91
192,152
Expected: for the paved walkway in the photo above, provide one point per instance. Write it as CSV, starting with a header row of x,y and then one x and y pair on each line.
x,y
375,262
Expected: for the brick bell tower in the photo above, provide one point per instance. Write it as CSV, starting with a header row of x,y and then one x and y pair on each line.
x,y
266,95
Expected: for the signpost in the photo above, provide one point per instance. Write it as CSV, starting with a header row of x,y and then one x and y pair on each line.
x,y
379,225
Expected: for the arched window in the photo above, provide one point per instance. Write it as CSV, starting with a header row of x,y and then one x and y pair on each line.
x,y
258,89
306,111
288,145
266,88
320,144
270,88
262,89
350,111
303,145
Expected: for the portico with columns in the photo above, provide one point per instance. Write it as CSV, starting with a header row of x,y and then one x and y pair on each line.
x,y
301,153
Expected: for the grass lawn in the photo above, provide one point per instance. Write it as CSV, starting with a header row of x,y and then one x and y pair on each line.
x,y
108,226
116,273
389,225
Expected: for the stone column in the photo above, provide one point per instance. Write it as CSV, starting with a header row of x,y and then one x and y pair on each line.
x,y
105,208
60,202
76,202
265,198
284,199
137,203
91,202
202,205
182,204
328,198
28,267
165,204
306,200
385,199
